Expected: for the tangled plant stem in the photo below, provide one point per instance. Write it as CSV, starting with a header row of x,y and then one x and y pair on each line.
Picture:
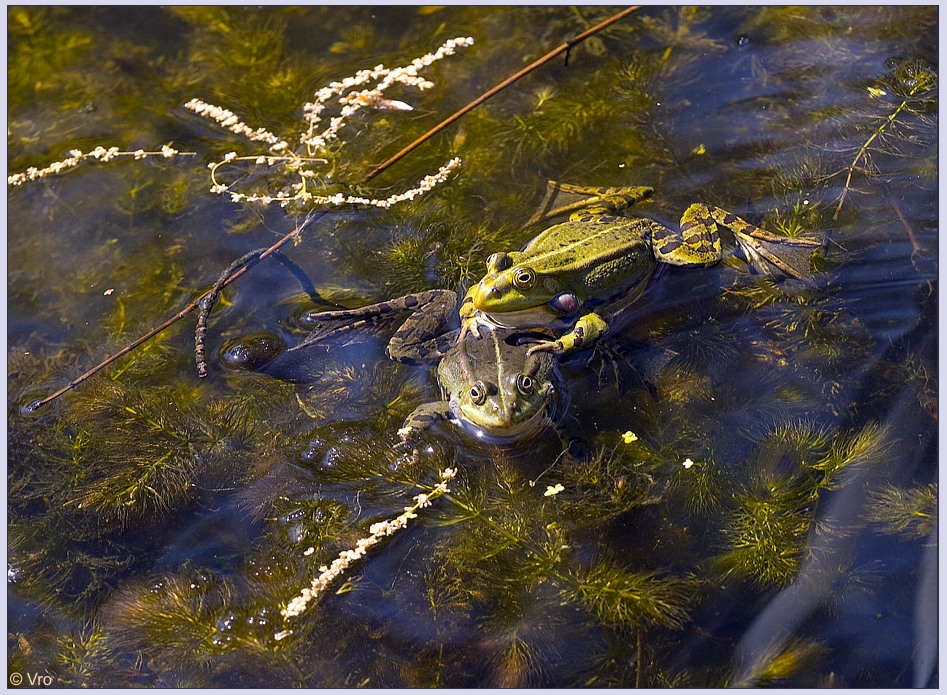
x,y
314,144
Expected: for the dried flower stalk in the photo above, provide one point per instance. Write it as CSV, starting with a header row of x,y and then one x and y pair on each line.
x,y
379,531
312,142
317,136
76,157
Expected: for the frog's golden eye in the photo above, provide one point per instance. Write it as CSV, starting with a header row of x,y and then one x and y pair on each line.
x,y
524,278
478,393
524,384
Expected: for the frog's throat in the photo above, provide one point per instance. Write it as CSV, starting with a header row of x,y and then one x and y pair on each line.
x,y
542,315
502,434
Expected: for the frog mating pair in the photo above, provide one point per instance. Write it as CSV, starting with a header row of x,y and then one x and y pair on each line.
x,y
549,299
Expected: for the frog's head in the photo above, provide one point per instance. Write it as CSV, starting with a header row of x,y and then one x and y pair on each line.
x,y
513,408
509,287
500,392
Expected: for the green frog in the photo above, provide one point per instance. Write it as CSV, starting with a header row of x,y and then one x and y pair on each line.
x,y
492,387
562,276
495,390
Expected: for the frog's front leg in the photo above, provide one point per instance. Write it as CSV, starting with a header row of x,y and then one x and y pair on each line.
x,y
587,329
423,417
471,320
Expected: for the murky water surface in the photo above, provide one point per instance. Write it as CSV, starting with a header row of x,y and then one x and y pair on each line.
x,y
759,501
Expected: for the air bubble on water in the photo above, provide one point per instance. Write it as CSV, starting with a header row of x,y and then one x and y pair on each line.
x,y
31,408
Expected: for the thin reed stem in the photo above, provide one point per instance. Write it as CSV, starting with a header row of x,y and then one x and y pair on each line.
x,y
564,48
36,405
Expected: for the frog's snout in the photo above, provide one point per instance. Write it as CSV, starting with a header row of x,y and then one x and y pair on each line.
x,y
487,293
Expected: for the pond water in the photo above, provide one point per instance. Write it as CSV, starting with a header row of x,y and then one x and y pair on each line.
x,y
758,503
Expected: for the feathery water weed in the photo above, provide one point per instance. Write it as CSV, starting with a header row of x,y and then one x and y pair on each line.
x,y
619,597
914,84
909,512
767,529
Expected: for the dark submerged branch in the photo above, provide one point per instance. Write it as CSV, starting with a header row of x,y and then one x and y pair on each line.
x,y
180,315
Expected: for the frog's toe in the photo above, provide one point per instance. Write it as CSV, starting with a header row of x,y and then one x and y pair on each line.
x,y
553,346
406,443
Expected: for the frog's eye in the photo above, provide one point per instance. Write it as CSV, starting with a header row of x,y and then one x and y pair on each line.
x,y
478,393
524,278
499,261
524,384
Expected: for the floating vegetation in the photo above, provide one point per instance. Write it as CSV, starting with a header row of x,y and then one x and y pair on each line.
x,y
768,532
775,443
915,84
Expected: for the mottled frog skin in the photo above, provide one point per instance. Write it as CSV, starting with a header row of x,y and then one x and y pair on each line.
x,y
562,277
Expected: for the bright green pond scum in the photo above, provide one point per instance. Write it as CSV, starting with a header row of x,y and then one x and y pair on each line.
x,y
758,505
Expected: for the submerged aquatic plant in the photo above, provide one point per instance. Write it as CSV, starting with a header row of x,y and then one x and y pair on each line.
x,y
915,84
767,534
909,512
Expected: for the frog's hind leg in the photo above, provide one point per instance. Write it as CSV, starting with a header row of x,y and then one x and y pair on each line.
x,y
766,253
697,244
598,200
365,322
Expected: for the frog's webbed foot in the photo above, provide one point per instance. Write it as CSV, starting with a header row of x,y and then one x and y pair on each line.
x,y
643,370
776,256
348,325
429,314
765,252
605,358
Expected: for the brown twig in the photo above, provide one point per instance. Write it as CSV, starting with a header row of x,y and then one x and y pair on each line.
x,y
178,316
564,48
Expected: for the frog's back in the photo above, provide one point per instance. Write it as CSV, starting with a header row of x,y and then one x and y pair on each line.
x,y
575,246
